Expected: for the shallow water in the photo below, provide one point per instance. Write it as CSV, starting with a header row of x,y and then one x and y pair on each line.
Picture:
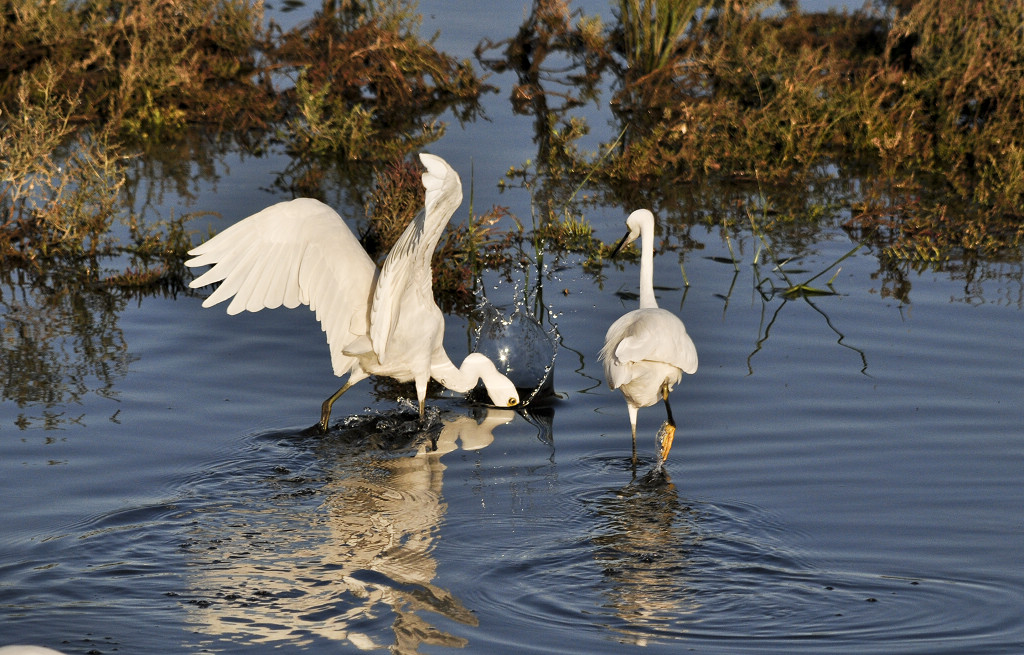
x,y
861,496
846,477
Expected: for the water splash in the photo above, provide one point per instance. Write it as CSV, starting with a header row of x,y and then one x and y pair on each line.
x,y
518,344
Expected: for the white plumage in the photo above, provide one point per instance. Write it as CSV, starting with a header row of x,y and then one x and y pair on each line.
x,y
382,322
646,351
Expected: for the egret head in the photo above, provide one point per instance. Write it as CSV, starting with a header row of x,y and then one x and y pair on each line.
x,y
500,389
634,223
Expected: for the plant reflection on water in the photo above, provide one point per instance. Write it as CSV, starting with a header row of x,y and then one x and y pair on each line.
x,y
781,281
61,341
272,574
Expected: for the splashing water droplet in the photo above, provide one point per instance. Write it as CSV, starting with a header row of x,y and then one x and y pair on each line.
x,y
519,346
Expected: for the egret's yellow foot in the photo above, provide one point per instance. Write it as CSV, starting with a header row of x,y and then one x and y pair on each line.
x,y
665,436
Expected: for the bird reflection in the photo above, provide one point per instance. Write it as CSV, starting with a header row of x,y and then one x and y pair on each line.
x,y
646,537
356,568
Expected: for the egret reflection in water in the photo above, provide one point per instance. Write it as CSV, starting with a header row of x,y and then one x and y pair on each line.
x,y
345,554
646,535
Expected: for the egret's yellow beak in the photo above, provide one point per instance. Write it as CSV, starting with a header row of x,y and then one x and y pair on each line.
x,y
665,436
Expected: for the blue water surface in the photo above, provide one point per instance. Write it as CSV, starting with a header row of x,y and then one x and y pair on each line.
x,y
847,475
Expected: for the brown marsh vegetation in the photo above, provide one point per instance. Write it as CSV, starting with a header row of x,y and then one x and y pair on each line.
x,y
906,114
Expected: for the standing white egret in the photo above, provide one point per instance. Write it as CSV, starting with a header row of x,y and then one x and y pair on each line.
x,y
647,350
377,322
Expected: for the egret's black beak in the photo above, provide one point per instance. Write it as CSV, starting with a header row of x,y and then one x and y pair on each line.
x,y
619,245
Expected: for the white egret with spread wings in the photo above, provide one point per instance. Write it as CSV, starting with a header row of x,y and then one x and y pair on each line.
x,y
378,322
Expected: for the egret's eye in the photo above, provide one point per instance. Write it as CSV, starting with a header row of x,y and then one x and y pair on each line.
x,y
511,401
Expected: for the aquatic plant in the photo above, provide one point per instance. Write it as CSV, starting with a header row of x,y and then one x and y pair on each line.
x,y
58,188
653,30
366,81
61,195
89,84
916,101
141,68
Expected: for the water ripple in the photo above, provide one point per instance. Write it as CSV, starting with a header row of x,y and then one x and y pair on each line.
x,y
329,538
662,568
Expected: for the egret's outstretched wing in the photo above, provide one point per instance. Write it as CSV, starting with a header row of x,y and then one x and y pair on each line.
x,y
292,253
406,271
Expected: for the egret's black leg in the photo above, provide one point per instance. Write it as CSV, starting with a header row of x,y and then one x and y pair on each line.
x,y
325,409
668,433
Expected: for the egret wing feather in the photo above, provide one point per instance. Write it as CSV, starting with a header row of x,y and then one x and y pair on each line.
x,y
401,274
406,270
443,196
233,275
292,295
213,249
649,335
253,290
292,253
328,292
278,284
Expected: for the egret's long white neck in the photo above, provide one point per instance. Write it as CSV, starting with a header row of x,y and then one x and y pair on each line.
x,y
647,299
475,367
464,379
